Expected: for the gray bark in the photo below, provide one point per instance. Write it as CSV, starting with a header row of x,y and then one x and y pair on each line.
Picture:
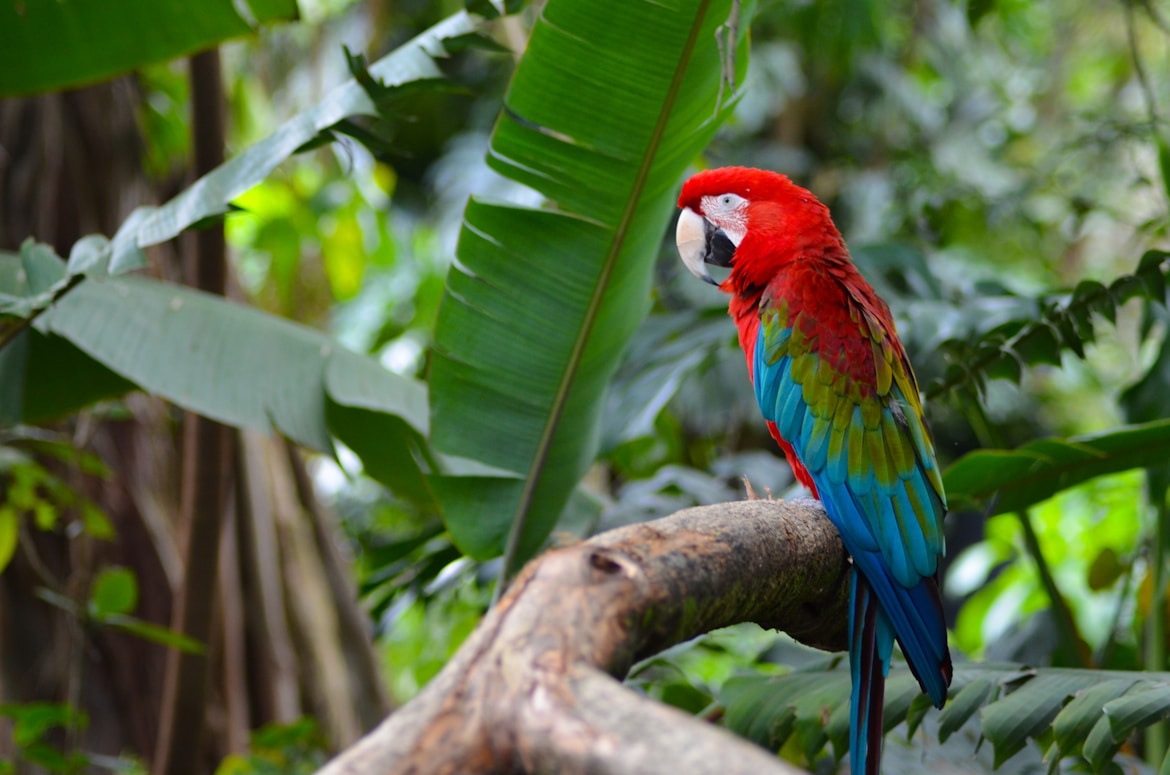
x,y
536,686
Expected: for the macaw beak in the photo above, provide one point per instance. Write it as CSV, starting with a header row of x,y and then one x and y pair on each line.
x,y
700,242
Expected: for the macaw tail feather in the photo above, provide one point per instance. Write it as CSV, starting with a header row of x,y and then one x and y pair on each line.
x,y
871,640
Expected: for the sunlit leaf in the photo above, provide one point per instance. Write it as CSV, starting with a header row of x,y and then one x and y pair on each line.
x,y
9,533
114,591
1010,480
154,633
95,521
44,515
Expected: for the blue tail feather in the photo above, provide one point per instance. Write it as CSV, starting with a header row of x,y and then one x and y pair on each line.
x,y
915,613
871,641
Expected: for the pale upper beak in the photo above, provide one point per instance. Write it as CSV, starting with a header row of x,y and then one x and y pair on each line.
x,y
700,242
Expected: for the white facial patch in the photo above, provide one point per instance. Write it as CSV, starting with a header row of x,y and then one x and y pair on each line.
x,y
729,213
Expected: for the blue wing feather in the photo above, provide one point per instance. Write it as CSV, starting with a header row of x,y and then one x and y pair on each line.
x,y
893,544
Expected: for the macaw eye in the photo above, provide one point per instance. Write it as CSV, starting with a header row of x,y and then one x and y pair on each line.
x,y
730,201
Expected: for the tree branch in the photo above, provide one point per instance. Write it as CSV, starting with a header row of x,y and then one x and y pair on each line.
x,y
528,691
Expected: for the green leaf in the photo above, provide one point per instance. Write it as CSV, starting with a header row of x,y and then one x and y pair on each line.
x,y
44,515
96,523
211,194
1105,569
232,363
1010,480
91,41
963,705
1164,162
766,709
33,719
666,350
1062,324
215,357
977,9
154,633
43,271
1137,709
382,417
1099,746
1145,400
9,534
60,379
541,303
114,591
1039,344
30,283
1026,712
1073,725
1018,703
13,362
493,8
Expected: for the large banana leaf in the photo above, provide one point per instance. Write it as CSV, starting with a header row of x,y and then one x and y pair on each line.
x,y
53,44
611,102
223,360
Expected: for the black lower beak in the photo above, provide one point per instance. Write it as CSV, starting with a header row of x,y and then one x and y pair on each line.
x,y
720,249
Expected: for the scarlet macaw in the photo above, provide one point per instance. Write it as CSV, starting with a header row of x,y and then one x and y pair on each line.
x,y
839,396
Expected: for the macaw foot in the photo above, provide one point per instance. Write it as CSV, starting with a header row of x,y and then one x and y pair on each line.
x,y
751,493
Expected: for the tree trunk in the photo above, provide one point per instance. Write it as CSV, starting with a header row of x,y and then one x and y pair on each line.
x,y
70,165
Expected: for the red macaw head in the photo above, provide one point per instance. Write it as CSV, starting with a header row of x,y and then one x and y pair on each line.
x,y
750,220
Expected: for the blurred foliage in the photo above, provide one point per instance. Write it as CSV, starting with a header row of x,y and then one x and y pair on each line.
x,y
424,629
37,735
32,723
1092,537
996,169
999,169
297,748
36,495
